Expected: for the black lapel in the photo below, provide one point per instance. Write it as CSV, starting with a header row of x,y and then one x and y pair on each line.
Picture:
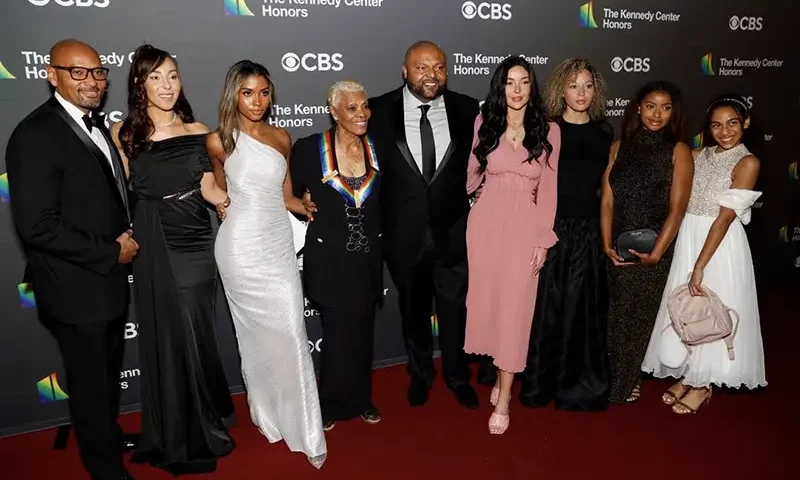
x,y
452,124
98,154
122,182
399,126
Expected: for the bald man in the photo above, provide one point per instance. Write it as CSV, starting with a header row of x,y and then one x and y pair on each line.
x,y
70,208
425,207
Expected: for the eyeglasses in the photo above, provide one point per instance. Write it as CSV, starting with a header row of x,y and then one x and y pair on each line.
x,y
80,73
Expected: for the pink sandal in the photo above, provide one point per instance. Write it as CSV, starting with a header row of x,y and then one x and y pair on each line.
x,y
498,423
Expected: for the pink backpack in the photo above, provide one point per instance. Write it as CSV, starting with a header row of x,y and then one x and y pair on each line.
x,y
701,319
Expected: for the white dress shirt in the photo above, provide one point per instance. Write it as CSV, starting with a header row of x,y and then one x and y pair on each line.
x,y
437,115
96,136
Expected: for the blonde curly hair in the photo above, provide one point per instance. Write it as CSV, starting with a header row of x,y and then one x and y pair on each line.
x,y
565,72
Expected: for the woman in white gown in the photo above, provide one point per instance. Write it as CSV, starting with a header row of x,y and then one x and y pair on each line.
x,y
256,259
712,251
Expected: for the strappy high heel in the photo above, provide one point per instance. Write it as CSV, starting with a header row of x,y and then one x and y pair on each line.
x,y
671,398
682,409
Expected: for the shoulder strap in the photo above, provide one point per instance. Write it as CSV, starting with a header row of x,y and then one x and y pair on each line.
x,y
729,339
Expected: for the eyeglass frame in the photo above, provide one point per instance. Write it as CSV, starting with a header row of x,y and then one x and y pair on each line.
x,y
88,70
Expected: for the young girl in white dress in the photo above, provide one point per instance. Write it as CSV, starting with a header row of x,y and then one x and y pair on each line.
x,y
712,251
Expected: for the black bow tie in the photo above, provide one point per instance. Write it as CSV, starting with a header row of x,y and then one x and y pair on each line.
x,y
93,121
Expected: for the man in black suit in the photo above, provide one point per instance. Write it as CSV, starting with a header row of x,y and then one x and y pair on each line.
x,y
69,202
425,205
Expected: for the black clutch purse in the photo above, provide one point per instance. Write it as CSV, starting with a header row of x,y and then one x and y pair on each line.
x,y
643,240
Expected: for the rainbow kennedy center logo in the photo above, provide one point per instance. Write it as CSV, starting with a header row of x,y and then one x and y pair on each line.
x,y
5,74
49,390
736,67
5,196
292,8
622,19
237,8
26,297
793,170
697,141
435,325
783,234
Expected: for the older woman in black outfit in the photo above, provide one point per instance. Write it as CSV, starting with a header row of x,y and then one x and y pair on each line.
x,y
342,260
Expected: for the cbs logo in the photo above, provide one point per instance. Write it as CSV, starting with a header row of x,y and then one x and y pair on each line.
x,y
630,64
73,3
312,62
315,346
486,11
751,24
110,118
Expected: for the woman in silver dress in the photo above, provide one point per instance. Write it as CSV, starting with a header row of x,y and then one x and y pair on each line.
x,y
256,259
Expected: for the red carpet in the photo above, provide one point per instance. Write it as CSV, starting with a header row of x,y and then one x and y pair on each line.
x,y
747,435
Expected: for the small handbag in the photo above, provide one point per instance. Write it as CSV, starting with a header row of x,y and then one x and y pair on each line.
x,y
698,320
642,240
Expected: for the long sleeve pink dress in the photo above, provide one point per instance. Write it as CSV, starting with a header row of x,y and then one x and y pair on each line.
x,y
506,223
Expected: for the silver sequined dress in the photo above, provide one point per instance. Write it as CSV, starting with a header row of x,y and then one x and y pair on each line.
x,y
256,259
729,274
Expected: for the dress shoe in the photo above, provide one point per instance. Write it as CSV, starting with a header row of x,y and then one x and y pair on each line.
x,y
371,416
466,395
418,393
487,373
130,441
328,425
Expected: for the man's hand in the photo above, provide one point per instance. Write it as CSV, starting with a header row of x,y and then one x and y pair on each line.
x,y
128,247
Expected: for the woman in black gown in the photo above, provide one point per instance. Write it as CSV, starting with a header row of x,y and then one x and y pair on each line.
x,y
567,357
185,395
646,185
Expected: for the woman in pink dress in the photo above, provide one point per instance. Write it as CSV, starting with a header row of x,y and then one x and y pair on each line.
x,y
513,164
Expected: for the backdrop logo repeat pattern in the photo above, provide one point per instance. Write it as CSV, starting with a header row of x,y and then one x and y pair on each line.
x,y
26,297
707,64
745,23
5,74
237,8
736,67
793,173
49,389
630,64
587,16
486,11
697,141
312,62
623,18
72,3
5,196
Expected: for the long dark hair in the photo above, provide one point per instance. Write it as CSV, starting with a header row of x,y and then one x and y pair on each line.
x,y
228,104
138,127
494,111
631,123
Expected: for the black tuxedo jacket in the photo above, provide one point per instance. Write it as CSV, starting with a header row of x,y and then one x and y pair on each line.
x,y
412,208
330,276
68,209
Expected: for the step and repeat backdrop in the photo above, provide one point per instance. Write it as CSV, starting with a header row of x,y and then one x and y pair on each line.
x,y
707,48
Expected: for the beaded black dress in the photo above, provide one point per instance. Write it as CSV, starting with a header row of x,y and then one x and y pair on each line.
x,y
640,180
